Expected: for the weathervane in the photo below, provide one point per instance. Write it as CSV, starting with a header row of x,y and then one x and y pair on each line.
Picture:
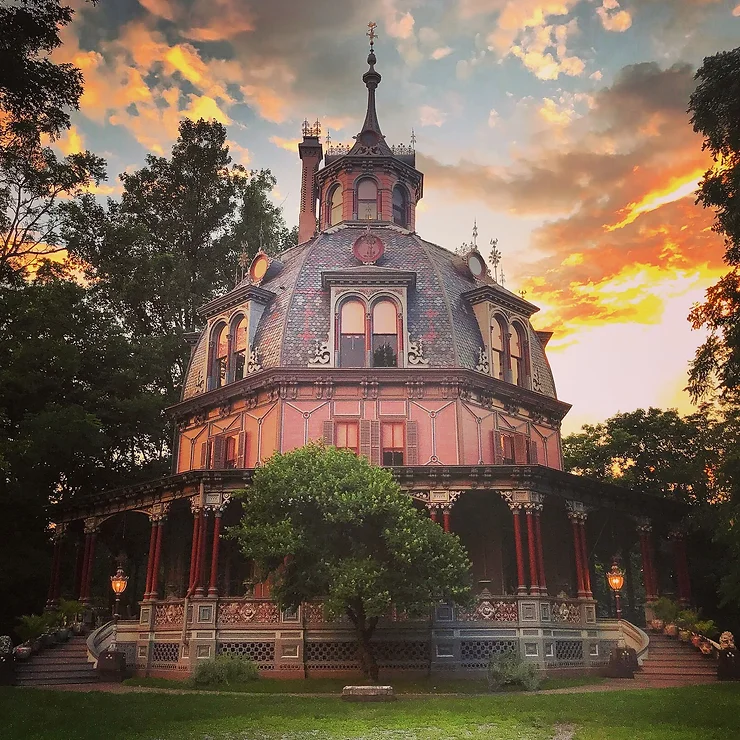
x,y
371,33
495,258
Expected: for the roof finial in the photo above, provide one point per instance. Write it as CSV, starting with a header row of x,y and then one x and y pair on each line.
x,y
413,139
371,33
503,278
495,258
474,244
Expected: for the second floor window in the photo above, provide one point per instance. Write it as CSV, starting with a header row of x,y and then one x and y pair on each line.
x,y
498,354
392,442
347,436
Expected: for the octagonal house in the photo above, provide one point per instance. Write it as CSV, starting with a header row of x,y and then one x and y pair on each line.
x,y
371,338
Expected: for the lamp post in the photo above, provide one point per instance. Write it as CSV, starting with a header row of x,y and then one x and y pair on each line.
x,y
615,578
118,583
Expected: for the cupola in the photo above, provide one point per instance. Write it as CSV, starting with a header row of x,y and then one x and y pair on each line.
x,y
367,181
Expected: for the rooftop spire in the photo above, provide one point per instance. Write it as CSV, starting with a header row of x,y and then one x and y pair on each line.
x,y
370,140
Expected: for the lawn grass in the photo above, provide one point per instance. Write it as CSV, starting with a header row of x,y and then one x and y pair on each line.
x,y
689,713
334,685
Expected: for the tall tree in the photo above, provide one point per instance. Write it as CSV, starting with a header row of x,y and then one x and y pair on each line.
x,y
715,109
36,96
351,537
174,240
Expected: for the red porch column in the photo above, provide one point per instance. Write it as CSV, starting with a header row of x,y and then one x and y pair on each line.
x,y
213,587
91,531
647,572
584,559
540,553
575,523
433,513
158,526
150,559
516,510
194,550
446,519
200,588
534,584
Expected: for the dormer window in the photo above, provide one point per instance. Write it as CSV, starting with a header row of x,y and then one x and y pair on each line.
x,y
367,200
336,203
498,348
239,357
219,356
519,374
385,334
400,206
352,334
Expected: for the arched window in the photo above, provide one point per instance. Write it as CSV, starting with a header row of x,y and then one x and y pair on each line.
x,y
219,355
385,335
352,335
336,202
400,206
518,356
239,343
498,348
367,200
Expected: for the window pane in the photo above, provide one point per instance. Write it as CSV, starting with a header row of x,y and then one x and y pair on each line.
x,y
353,318
516,345
497,339
352,350
385,350
336,206
239,362
222,343
230,458
367,210
399,206
240,335
367,190
384,318
347,435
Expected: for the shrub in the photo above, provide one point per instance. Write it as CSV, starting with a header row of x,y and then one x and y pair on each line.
x,y
70,610
31,626
707,628
666,609
510,670
224,669
687,619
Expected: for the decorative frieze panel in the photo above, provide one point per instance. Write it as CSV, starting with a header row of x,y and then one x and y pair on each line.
x,y
168,615
248,612
490,610
566,612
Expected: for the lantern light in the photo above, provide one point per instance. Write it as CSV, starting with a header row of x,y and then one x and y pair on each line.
x,y
119,582
615,576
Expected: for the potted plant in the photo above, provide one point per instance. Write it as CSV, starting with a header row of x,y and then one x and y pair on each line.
x,y
686,622
30,629
22,651
665,611
71,612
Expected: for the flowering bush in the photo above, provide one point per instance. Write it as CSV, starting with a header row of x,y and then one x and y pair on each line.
x,y
510,670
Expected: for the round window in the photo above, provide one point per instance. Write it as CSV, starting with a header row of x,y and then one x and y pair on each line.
x,y
258,268
476,265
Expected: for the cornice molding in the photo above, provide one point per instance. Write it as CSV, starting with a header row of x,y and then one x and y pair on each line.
x,y
368,275
239,295
502,297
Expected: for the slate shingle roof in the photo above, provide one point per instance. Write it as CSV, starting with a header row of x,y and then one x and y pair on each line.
x,y
299,315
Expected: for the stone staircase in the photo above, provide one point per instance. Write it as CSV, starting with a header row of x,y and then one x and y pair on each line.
x,y
57,665
671,662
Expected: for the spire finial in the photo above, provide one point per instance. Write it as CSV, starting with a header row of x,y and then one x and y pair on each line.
x,y
495,258
475,234
413,139
371,33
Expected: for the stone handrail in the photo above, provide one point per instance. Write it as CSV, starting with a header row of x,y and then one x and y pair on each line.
x,y
636,638
98,640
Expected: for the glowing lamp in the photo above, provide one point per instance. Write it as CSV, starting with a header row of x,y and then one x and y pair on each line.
x,y
118,582
615,577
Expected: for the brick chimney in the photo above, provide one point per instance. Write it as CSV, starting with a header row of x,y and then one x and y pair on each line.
x,y
311,155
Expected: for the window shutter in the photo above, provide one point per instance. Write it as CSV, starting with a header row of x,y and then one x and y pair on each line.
x,y
507,442
412,443
241,450
375,442
533,452
204,455
329,432
219,452
520,449
365,442
498,451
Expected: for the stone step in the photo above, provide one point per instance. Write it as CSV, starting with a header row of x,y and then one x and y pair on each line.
x,y
53,668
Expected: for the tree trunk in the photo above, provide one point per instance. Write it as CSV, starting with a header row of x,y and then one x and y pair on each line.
x,y
364,629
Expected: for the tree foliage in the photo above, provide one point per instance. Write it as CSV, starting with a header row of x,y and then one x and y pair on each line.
x,y
36,96
653,451
715,109
174,239
352,538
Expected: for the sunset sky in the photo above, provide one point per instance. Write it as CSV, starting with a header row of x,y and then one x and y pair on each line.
x,y
560,125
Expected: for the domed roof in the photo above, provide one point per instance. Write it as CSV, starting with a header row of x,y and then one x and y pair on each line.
x,y
439,314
